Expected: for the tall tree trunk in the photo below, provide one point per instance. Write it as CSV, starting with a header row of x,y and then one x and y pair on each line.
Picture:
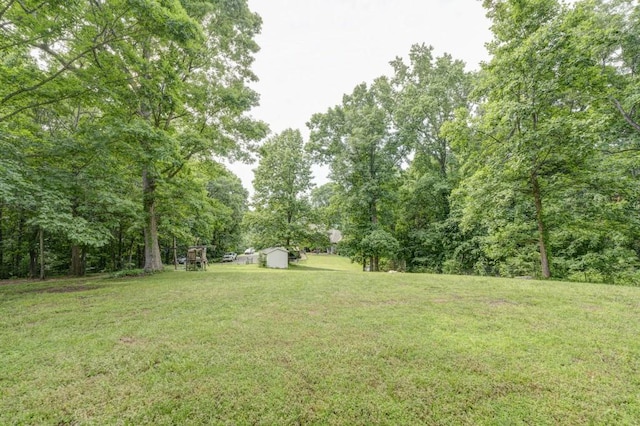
x,y
289,220
2,268
442,156
33,262
129,264
34,252
17,258
175,253
41,253
373,210
544,260
116,251
152,256
77,261
120,257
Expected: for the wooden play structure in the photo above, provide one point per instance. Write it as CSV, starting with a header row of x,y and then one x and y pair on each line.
x,y
196,258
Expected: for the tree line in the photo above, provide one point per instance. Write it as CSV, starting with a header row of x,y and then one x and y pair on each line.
x,y
527,167
115,116
112,117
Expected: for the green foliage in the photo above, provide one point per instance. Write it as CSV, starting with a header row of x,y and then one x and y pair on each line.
x,y
129,273
231,205
379,243
326,203
94,96
262,260
282,214
114,116
536,131
527,168
422,219
204,205
357,141
428,92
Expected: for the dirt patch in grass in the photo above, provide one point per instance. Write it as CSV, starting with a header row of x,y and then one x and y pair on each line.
x,y
74,288
591,308
501,302
69,289
450,299
454,298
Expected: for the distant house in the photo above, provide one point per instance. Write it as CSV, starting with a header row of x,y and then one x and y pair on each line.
x,y
275,257
335,236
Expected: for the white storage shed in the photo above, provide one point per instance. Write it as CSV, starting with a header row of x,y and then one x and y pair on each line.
x,y
276,257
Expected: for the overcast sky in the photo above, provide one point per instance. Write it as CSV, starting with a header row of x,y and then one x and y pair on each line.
x,y
314,51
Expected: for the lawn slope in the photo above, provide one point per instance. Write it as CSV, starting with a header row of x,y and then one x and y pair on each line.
x,y
321,343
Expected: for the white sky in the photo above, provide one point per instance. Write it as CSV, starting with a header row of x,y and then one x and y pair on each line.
x,y
314,51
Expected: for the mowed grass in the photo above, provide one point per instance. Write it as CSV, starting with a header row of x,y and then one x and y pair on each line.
x,y
321,343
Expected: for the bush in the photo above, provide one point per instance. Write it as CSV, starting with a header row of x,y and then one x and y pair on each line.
x,y
453,267
379,243
129,273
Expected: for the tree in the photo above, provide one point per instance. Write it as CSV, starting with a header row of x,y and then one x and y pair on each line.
x,y
187,68
378,244
358,141
614,44
328,206
536,129
161,83
45,48
429,92
232,199
44,102
282,214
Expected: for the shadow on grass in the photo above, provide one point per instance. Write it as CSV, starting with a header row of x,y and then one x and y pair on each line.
x,y
49,287
295,267
66,289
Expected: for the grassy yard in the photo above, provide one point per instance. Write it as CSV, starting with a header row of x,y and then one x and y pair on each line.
x,y
322,343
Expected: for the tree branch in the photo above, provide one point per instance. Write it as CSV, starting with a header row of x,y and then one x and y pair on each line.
x,y
621,151
625,115
47,102
4,9
65,66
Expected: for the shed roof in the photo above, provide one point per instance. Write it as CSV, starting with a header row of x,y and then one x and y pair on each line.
x,y
273,249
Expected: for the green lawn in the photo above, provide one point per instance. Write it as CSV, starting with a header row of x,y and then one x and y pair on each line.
x,y
322,343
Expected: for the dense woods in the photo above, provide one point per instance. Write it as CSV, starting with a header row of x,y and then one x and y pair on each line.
x,y
115,118
112,116
527,167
